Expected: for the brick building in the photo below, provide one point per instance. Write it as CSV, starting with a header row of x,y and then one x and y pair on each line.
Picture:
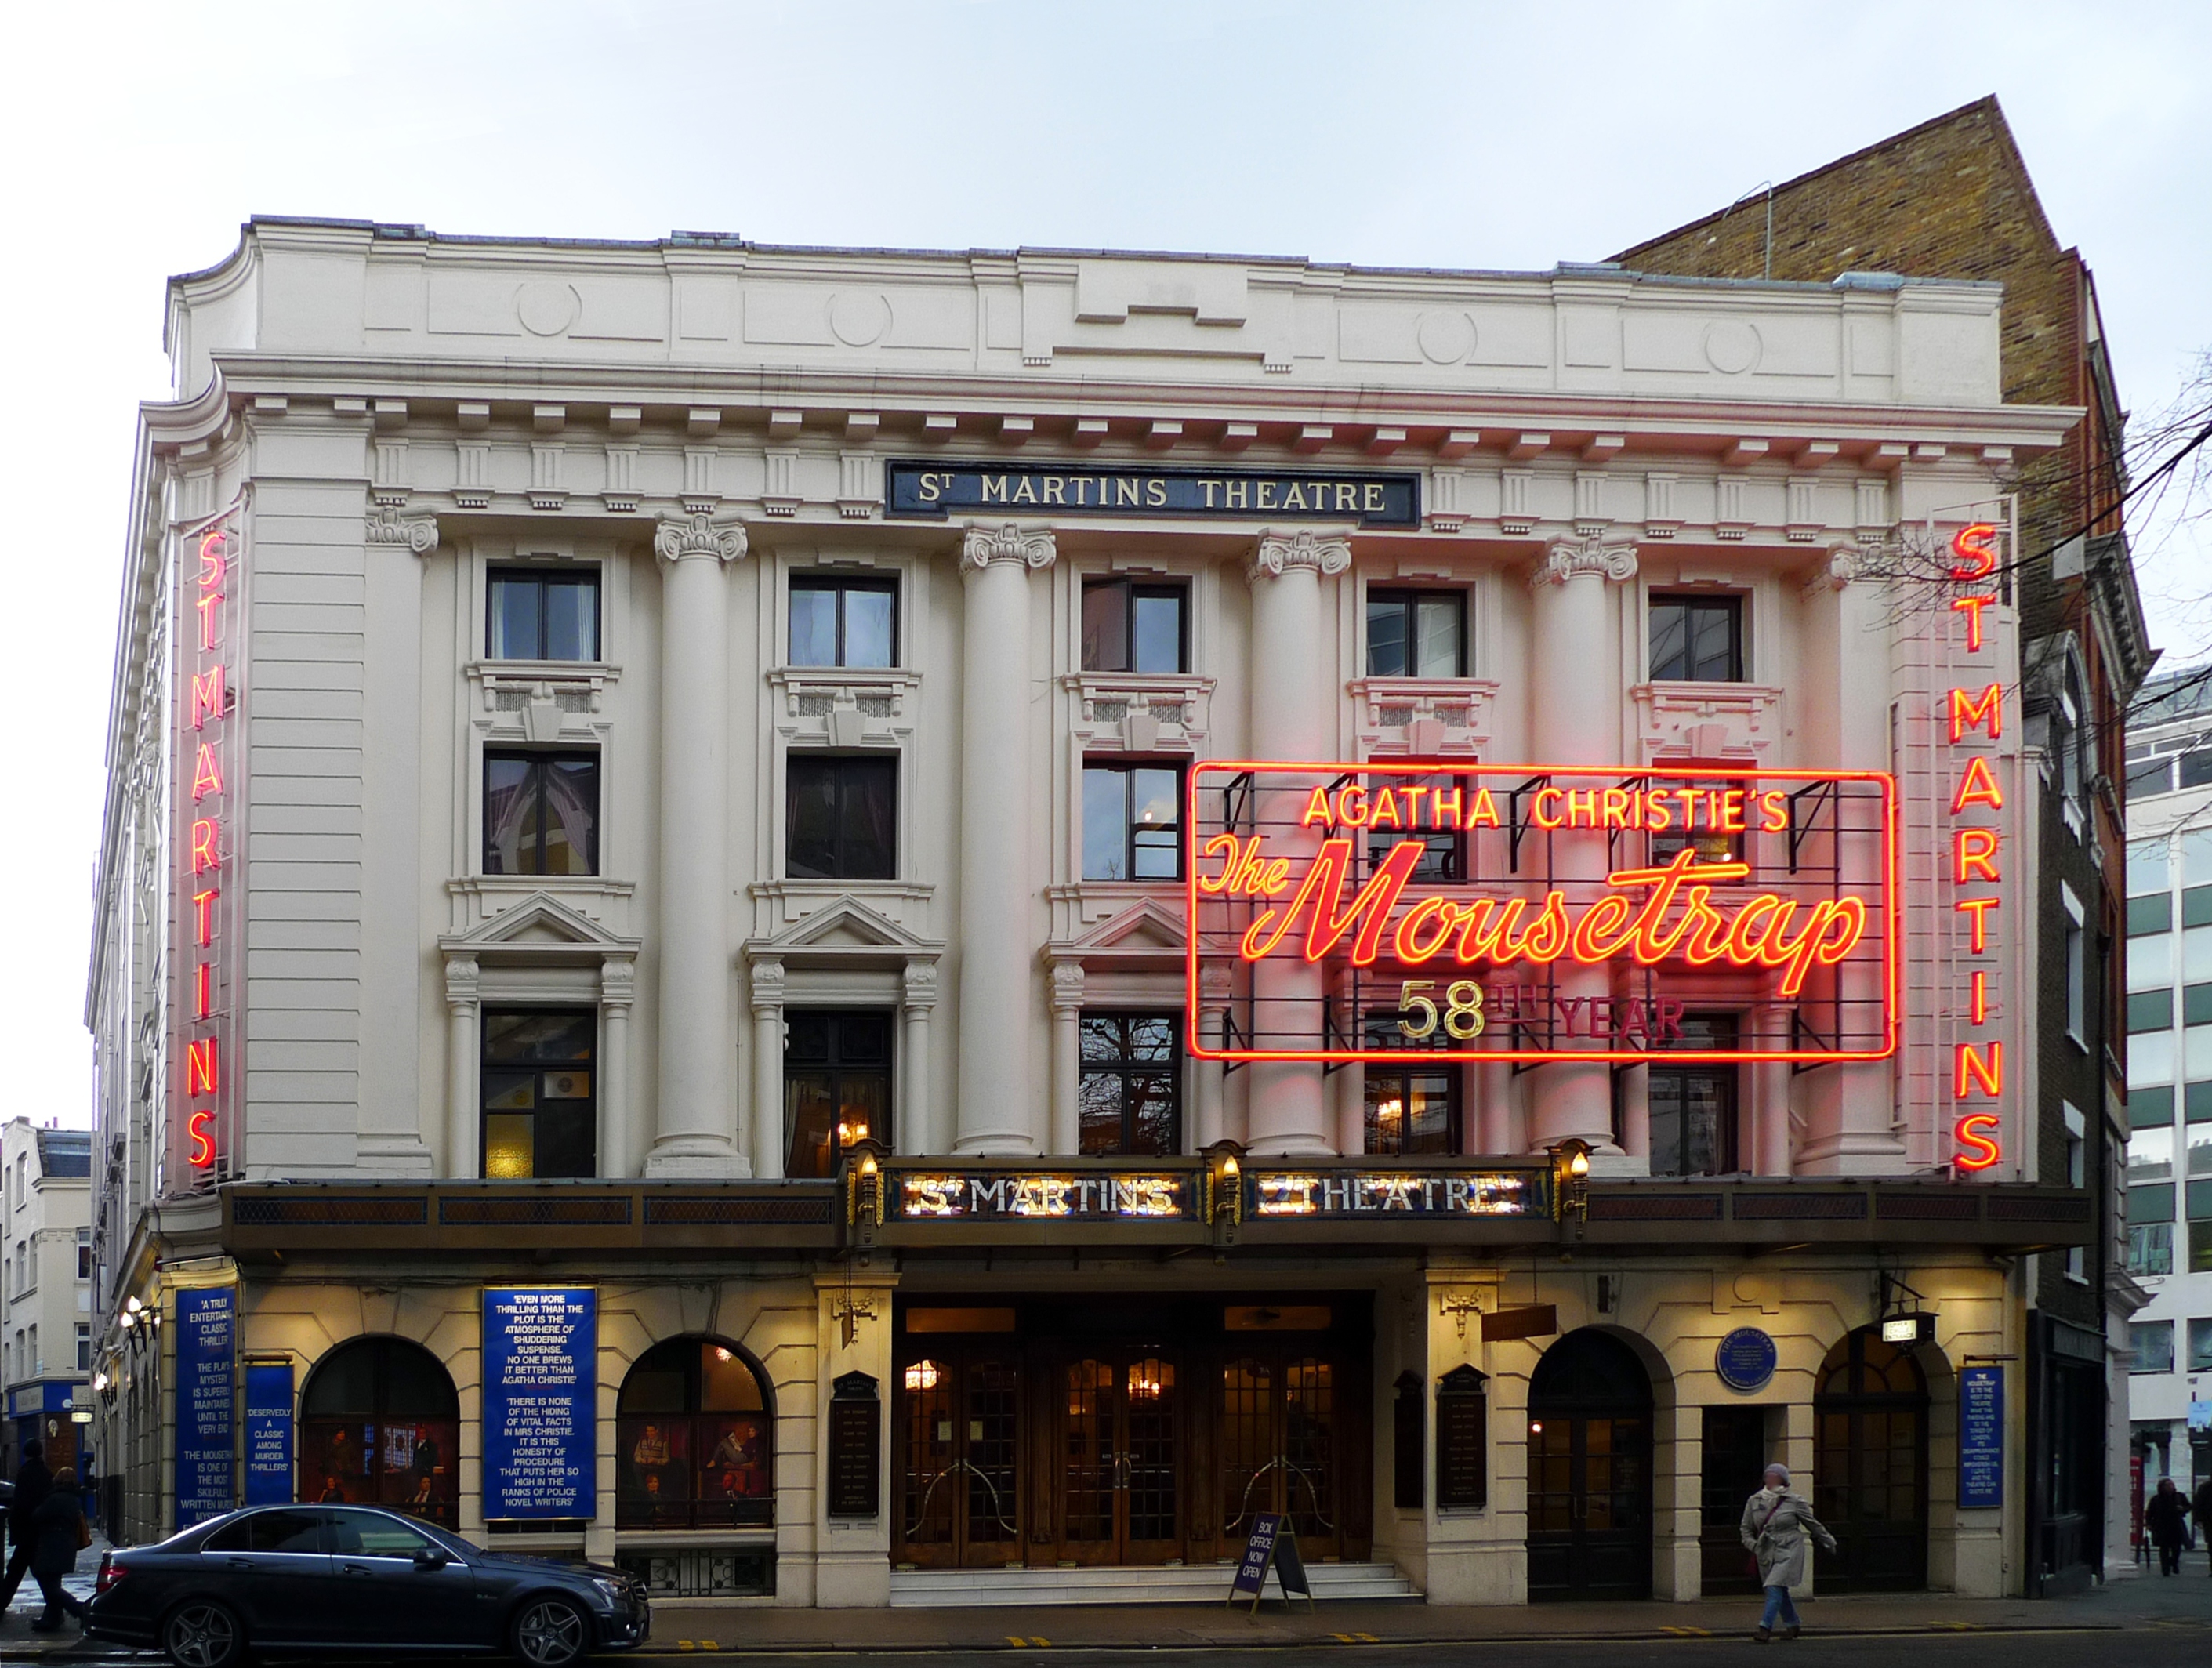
x,y
1952,197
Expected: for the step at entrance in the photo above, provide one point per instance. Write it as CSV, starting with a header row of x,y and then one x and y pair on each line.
x,y
1181,1584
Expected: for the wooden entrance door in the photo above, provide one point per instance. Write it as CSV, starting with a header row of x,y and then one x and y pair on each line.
x,y
1590,1471
1279,1446
956,1459
1735,1460
1870,1426
1120,1451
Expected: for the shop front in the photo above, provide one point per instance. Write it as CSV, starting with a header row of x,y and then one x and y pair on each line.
x,y
1481,1380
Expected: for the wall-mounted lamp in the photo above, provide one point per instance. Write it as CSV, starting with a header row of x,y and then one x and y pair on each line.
x,y
864,1192
1570,1167
1224,1190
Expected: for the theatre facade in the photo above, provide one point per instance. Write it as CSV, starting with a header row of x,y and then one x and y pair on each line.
x,y
869,928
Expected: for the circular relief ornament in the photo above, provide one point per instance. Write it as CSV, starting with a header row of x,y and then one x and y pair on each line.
x,y
1745,1359
859,317
1444,338
1733,346
547,309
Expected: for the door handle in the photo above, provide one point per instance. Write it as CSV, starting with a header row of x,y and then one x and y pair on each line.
x,y
356,1569
240,1563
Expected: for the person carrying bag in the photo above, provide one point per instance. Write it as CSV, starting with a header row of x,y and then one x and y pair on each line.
x,y
1774,1528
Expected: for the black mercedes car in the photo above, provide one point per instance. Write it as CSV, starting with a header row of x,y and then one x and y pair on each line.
x,y
317,1579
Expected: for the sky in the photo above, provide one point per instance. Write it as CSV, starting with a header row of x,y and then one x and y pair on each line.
x,y
1381,132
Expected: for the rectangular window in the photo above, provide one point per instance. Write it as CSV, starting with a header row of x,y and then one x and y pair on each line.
x,y
2197,906
83,1347
2200,1247
2152,912
541,813
2151,1204
2150,1248
2149,780
2196,1005
837,1087
844,621
84,1253
1693,1108
544,614
1135,627
1444,854
1412,1109
540,1116
1697,639
2150,1156
2148,870
1131,1088
2150,1346
842,816
2196,1101
1132,822
2200,1345
1416,634
2151,1108
2149,1010
2077,967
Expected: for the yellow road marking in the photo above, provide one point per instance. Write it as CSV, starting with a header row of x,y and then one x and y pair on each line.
x,y
1688,1633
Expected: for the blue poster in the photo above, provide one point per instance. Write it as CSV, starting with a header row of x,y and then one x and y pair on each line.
x,y
540,1401
268,1433
1981,1437
207,1333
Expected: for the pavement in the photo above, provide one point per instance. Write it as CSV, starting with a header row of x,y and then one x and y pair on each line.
x,y
2162,1613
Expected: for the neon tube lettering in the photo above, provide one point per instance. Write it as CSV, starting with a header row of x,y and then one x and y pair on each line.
x,y
1983,711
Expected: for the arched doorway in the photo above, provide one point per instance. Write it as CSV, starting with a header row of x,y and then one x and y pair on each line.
x,y
380,1424
1590,1471
1870,1466
694,1440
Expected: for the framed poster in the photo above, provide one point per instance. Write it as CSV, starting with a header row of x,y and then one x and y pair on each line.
x,y
540,1414
207,1339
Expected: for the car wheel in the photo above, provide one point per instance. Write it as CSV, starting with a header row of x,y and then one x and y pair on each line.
x,y
201,1634
550,1633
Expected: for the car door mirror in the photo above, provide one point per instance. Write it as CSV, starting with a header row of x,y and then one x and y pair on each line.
x,y
430,1557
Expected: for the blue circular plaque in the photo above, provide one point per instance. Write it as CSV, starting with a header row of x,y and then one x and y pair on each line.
x,y
1744,1358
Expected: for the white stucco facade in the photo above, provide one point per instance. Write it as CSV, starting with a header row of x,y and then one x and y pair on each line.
x,y
379,426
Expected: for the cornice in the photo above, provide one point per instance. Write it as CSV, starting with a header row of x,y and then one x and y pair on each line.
x,y
675,386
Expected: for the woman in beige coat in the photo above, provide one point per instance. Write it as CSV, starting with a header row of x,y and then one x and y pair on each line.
x,y
1775,1524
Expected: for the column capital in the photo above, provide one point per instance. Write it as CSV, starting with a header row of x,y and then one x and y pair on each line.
x,y
918,986
678,537
618,980
1846,561
418,533
1301,550
1573,558
766,984
463,987
1067,987
1030,547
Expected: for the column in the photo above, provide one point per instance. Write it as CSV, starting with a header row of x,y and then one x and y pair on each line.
x,y
1348,1083
1289,1110
916,1129
768,1133
1575,718
1066,1058
1770,1096
697,1114
464,1071
996,1004
390,1141
1494,1118
619,1153
1848,1109
1209,1083
1636,1113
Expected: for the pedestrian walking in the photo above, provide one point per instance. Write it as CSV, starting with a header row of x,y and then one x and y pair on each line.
x,y
57,1534
2165,1517
1775,1524
33,1482
2201,1507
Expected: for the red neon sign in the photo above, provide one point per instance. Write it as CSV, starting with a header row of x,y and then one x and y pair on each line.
x,y
1977,855
203,1014
1512,886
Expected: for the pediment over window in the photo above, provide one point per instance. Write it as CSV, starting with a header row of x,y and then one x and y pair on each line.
x,y
538,927
844,929
1146,935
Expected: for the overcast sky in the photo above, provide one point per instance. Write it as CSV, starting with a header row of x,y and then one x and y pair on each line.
x,y
1474,135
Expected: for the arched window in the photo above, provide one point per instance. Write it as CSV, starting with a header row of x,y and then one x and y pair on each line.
x,y
380,1424
694,1442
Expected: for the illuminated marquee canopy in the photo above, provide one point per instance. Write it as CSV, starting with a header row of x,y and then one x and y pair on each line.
x,y
1378,911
